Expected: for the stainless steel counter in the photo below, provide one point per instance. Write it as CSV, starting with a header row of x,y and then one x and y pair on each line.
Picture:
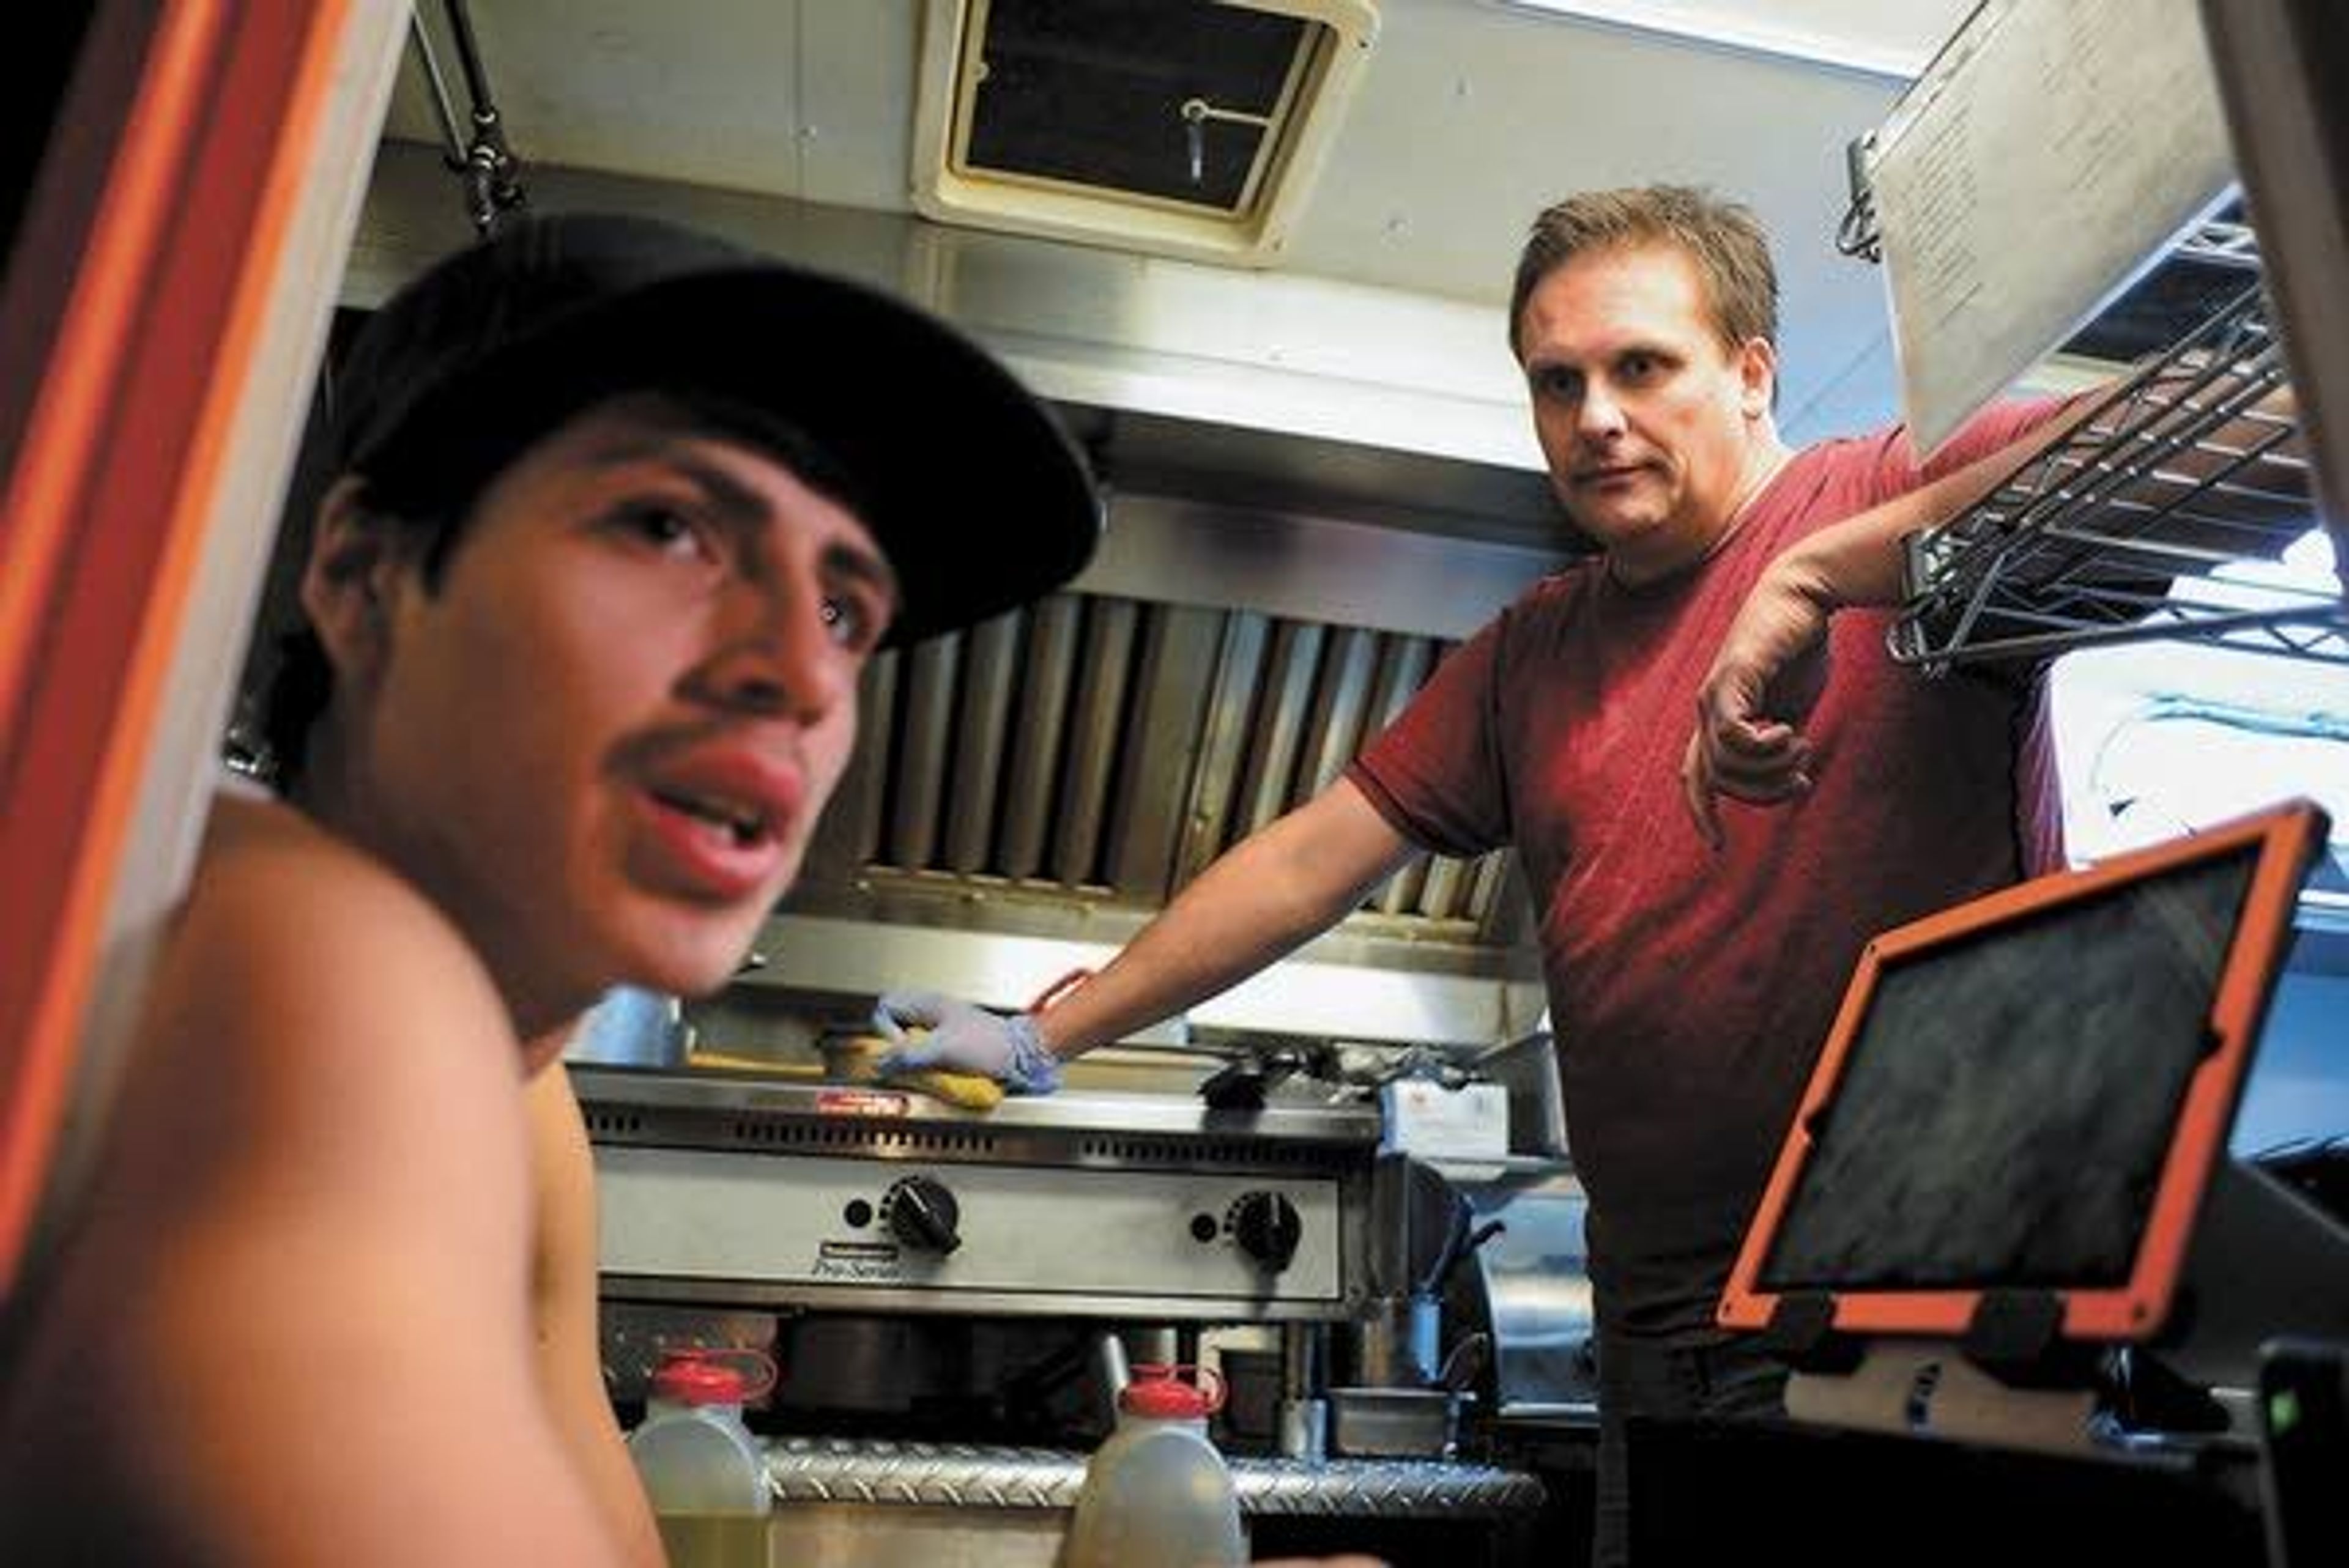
x,y
722,1109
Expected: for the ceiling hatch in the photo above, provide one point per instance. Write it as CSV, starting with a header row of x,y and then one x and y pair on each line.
x,y
1190,127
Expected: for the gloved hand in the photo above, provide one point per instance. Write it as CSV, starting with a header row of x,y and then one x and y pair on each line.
x,y
963,1039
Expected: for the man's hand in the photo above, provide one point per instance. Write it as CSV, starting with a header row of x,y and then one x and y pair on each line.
x,y
965,1039
1773,664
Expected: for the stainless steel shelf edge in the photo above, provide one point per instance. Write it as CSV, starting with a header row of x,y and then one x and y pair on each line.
x,y
1073,1110
957,1475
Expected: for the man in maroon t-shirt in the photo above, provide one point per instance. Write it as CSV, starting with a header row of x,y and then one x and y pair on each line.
x,y
1692,972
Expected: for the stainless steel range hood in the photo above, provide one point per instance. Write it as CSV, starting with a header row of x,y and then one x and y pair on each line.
x,y
1367,387
1315,489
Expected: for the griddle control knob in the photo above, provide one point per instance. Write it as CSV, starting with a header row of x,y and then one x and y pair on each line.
x,y
1267,1229
922,1214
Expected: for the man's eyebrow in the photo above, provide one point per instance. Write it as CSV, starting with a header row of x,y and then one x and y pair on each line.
x,y
865,563
741,506
1537,362
729,494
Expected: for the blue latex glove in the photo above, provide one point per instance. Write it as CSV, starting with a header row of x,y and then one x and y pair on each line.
x,y
963,1039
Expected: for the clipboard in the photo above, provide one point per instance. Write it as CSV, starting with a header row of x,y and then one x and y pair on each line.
x,y
2051,154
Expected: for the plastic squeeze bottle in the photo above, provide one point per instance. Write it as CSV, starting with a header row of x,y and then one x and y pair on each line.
x,y
704,1474
1157,1493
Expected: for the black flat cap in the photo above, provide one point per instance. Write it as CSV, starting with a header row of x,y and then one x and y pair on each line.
x,y
970,484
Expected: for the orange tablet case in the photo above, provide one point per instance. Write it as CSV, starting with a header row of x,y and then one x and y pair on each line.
x,y
2026,1093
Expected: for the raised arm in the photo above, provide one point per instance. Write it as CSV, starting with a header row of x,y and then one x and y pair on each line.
x,y
1748,743
1288,880
2249,484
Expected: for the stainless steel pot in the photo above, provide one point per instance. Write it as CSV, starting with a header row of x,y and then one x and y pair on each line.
x,y
1396,1423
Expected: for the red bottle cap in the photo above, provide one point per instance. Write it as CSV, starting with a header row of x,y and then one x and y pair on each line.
x,y
706,1377
1159,1391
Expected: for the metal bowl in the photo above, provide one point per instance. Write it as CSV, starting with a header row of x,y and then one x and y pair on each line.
x,y
1394,1423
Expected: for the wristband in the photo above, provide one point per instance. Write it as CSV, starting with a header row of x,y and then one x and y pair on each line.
x,y
1033,1068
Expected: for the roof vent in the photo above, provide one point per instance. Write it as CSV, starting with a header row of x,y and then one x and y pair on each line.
x,y
1190,127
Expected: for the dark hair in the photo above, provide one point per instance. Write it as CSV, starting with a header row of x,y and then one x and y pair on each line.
x,y
1723,238
288,677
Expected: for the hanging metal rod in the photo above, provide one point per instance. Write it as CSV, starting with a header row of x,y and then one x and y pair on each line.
x,y
492,173
437,89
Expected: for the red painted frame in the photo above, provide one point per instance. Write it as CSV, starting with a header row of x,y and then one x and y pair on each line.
x,y
128,321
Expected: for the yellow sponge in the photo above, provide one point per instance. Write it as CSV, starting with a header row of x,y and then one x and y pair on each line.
x,y
855,1057
972,1091
852,1059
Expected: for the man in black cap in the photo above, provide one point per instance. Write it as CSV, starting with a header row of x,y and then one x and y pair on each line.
x,y
608,541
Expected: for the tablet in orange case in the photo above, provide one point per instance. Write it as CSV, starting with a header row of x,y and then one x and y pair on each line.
x,y
2026,1093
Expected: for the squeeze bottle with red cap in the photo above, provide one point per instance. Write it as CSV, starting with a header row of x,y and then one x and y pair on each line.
x,y
1157,1493
692,1450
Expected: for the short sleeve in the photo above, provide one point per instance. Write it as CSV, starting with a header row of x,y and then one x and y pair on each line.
x,y
1435,774
1899,470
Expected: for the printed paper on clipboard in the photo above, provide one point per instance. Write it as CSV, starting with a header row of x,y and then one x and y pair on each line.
x,y
2049,156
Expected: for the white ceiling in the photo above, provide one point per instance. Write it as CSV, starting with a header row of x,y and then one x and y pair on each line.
x,y
1471,114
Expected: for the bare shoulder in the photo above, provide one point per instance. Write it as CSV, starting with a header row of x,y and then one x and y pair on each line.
x,y
320,1120
323,1010
313,1019
278,900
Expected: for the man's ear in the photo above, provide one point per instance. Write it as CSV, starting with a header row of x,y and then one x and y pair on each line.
x,y
1757,370
346,586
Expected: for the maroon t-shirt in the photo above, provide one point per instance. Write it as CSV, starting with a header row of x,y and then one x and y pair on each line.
x,y
1690,990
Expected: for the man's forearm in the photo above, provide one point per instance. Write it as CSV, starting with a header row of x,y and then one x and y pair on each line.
x,y
1260,900
1857,563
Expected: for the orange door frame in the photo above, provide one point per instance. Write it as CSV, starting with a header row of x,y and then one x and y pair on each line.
x,y
145,270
